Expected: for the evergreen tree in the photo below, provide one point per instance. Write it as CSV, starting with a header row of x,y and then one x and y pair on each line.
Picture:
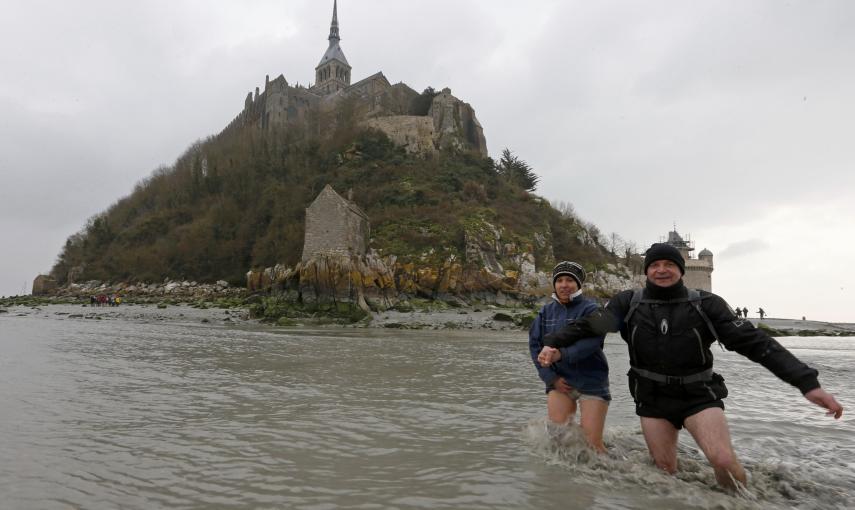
x,y
517,171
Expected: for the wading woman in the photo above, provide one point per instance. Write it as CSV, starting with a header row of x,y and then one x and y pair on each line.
x,y
576,377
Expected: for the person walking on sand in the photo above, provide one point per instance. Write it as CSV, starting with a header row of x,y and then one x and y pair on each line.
x,y
745,311
577,376
762,313
738,313
669,329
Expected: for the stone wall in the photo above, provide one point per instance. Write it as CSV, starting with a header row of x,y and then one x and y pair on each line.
x,y
43,284
414,133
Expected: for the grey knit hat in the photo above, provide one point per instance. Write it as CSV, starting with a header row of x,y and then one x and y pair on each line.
x,y
571,269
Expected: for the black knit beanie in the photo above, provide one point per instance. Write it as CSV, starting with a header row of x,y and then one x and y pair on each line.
x,y
664,251
570,269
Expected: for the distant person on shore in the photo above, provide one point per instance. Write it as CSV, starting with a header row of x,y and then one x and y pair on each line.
x,y
669,330
576,376
762,313
745,311
738,313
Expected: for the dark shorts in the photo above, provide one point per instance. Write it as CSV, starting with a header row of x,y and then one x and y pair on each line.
x,y
675,402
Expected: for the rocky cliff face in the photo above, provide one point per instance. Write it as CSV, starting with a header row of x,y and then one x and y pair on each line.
x,y
450,123
414,133
456,124
495,270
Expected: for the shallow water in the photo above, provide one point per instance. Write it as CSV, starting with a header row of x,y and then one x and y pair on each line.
x,y
152,408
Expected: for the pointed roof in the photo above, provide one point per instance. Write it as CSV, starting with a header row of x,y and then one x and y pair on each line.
x,y
374,76
334,24
334,51
328,191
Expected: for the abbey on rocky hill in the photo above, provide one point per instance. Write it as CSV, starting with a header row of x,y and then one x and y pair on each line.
x,y
399,111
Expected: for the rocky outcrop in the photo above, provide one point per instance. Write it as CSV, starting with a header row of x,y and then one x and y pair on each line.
x,y
455,123
450,123
613,279
333,278
168,289
494,270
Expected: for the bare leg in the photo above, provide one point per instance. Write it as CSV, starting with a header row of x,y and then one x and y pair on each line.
x,y
560,407
661,438
593,421
710,430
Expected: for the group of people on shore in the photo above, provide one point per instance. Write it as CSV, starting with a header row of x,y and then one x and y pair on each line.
x,y
668,329
743,312
105,300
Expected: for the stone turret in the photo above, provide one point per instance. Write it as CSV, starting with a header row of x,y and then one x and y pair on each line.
x,y
698,270
706,256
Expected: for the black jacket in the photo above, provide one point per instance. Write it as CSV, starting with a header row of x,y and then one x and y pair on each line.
x,y
670,337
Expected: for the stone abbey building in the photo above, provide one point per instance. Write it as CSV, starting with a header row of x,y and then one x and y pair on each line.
x,y
449,122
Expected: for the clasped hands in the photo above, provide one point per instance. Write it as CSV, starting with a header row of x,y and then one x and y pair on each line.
x,y
548,356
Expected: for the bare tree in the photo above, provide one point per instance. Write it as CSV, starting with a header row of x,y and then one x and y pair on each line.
x,y
566,209
630,248
615,243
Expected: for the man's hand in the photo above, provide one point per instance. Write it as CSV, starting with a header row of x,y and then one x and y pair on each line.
x,y
825,399
548,356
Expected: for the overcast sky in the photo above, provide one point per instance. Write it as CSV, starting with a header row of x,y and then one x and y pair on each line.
x,y
732,119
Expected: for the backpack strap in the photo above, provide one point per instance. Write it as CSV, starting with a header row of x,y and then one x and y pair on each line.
x,y
633,304
695,299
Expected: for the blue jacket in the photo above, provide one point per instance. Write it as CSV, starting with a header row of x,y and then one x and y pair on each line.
x,y
583,365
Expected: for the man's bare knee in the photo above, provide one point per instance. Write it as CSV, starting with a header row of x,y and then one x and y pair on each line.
x,y
723,459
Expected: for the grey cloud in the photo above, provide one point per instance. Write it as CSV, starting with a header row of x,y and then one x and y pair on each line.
x,y
741,248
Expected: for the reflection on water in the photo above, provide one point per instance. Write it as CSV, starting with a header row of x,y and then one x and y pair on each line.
x,y
141,413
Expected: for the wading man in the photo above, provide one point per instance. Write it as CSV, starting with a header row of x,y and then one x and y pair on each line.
x,y
669,329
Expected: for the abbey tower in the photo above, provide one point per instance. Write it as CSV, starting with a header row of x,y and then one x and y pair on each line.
x,y
333,72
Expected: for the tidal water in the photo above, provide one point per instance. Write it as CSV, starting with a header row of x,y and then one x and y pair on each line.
x,y
147,408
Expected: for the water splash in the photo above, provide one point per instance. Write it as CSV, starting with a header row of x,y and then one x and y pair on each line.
x,y
627,466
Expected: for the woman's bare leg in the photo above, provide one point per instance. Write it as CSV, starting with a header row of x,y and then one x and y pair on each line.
x,y
560,407
593,421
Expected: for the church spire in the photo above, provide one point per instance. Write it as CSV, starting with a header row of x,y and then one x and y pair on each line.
x,y
333,72
334,37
